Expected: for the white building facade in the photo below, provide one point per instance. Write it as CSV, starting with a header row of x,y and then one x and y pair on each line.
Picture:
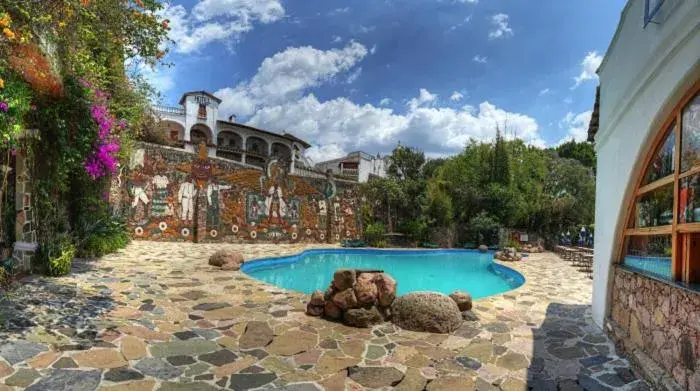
x,y
647,257
196,120
357,165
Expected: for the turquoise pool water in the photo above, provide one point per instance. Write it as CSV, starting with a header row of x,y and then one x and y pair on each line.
x,y
430,270
658,266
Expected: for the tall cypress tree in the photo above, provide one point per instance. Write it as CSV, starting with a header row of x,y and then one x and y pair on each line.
x,y
500,166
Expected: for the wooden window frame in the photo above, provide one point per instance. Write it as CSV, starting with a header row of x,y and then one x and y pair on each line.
x,y
676,229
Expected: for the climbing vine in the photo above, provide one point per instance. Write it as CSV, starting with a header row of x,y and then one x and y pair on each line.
x,y
63,72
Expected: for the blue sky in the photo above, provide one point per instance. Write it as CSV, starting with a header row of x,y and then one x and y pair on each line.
x,y
366,74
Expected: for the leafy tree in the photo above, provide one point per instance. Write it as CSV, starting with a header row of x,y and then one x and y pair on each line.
x,y
406,163
584,152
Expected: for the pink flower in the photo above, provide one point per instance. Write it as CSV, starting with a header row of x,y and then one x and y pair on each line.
x,y
4,107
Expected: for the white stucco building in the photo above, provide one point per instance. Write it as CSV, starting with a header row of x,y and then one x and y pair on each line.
x,y
358,165
197,119
647,136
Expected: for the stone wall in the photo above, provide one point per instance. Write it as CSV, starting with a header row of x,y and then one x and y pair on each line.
x,y
660,320
172,195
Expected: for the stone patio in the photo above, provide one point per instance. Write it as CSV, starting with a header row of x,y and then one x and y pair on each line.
x,y
156,317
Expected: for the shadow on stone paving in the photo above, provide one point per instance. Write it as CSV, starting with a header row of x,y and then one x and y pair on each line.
x,y
572,353
55,310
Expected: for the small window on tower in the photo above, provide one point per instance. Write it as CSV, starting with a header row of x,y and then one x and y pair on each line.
x,y
202,111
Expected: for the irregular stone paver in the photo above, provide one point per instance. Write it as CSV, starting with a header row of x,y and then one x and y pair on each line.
x,y
375,377
194,386
163,300
22,377
100,358
119,375
240,382
157,368
177,348
67,380
219,358
133,348
17,351
256,335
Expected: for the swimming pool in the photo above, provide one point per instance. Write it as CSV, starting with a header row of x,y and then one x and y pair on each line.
x,y
415,270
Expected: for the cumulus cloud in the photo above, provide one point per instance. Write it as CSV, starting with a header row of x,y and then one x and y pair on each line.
x,y
336,39
501,28
286,75
217,20
456,96
480,59
576,126
589,66
352,77
278,97
545,91
424,97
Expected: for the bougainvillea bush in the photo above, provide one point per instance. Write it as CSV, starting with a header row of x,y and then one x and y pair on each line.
x,y
62,72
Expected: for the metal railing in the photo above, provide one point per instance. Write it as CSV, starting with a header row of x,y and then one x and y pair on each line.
x,y
169,110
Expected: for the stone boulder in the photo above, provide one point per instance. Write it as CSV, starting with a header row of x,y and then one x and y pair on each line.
x,y
463,300
344,279
227,259
386,289
365,289
362,317
509,254
359,298
426,311
483,248
316,304
345,299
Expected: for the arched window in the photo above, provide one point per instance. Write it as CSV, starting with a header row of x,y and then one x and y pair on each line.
x,y
662,235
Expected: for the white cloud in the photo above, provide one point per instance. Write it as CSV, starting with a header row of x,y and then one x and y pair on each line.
x,y
545,91
352,77
366,29
576,126
336,39
320,153
424,97
467,1
286,75
217,20
456,96
277,98
373,50
480,59
339,11
589,66
440,130
501,28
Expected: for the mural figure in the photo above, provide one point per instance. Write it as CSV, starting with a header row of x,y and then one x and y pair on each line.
x,y
160,193
213,212
294,215
322,214
186,196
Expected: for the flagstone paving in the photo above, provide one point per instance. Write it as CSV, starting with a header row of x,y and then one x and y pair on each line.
x,y
155,316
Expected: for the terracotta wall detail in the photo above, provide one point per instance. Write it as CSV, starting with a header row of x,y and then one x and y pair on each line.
x,y
172,195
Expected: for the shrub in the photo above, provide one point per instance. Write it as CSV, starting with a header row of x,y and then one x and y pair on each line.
x,y
416,230
97,245
382,243
373,233
55,257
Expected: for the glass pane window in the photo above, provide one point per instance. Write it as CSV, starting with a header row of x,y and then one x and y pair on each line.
x,y
655,208
661,164
689,199
690,141
650,255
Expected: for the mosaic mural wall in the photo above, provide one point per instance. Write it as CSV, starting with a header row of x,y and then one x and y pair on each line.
x,y
168,194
